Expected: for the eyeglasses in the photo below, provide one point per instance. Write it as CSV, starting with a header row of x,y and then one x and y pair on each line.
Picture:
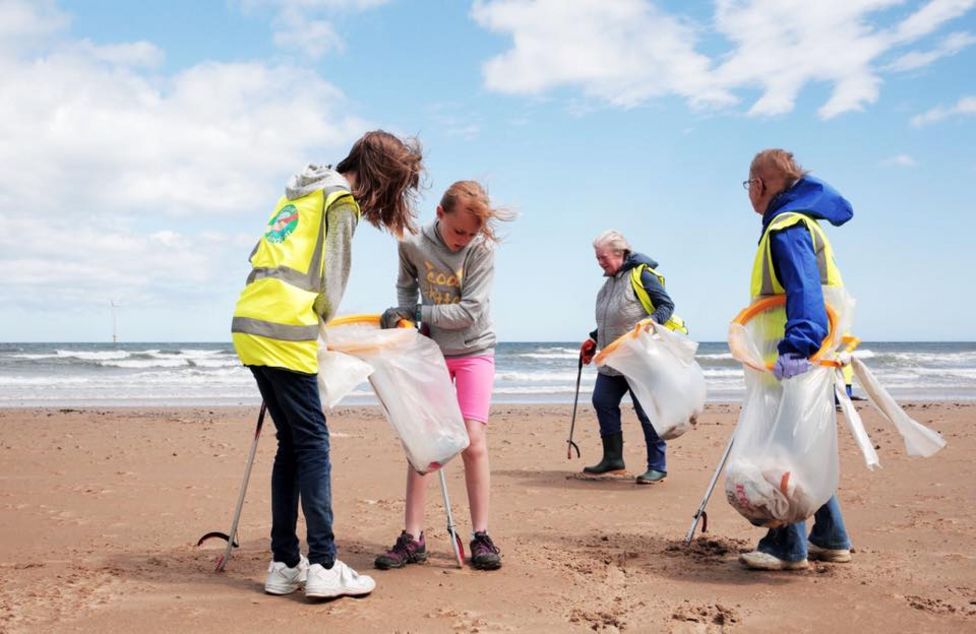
x,y
746,183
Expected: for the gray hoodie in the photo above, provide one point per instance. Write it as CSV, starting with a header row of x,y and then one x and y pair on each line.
x,y
340,225
454,288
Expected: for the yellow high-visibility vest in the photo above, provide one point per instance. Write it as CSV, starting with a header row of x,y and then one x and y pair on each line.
x,y
674,322
764,281
275,323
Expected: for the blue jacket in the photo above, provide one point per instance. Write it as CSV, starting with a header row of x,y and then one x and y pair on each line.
x,y
795,262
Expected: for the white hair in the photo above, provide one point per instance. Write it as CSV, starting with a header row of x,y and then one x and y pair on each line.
x,y
613,239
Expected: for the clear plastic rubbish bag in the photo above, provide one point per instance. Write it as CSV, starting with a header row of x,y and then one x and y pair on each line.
x,y
412,384
660,368
783,465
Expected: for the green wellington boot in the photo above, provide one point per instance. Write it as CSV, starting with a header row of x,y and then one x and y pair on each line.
x,y
613,455
652,476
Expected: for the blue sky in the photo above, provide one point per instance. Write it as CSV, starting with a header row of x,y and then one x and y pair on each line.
x,y
144,144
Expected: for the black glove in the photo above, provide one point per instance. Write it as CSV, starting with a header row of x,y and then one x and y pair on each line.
x,y
391,317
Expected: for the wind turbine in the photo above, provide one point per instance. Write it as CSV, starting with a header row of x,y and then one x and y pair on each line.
x,y
114,306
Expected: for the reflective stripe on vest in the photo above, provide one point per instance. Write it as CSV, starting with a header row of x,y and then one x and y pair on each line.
x,y
764,280
275,323
674,322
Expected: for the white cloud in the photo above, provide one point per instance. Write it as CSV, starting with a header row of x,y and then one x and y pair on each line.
x,y
314,38
782,46
950,45
966,106
930,17
629,51
621,52
899,160
119,176
305,25
316,5
24,24
128,54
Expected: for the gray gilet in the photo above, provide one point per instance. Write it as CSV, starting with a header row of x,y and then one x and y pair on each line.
x,y
617,311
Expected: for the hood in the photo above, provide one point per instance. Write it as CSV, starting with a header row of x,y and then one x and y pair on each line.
x,y
312,178
812,197
636,259
430,232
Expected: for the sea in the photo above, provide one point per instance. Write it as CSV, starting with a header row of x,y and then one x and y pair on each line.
x,y
209,374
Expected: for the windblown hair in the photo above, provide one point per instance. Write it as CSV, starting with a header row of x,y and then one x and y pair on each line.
x,y
613,239
779,162
472,196
388,172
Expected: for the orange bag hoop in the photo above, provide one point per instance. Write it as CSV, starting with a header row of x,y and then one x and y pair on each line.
x,y
365,319
749,312
643,324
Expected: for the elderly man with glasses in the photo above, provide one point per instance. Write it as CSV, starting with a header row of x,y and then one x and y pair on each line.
x,y
795,259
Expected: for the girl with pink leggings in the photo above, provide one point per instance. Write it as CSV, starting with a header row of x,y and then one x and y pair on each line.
x,y
449,267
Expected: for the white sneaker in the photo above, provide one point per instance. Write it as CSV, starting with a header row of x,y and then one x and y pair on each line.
x,y
764,561
338,581
830,555
284,580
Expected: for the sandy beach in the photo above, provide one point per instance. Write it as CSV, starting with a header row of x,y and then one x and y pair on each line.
x,y
101,509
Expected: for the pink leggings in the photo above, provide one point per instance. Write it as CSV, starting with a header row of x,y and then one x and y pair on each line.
x,y
474,378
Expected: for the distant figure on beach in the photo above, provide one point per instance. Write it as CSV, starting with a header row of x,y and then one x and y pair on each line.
x,y
450,264
795,258
634,291
299,271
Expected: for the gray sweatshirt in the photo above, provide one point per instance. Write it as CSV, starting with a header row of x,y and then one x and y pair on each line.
x,y
340,225
454,288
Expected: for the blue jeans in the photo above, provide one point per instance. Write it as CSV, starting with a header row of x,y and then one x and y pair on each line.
x,y
302,471
607,394
789,543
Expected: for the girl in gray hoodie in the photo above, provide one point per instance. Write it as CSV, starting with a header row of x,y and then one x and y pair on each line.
x,y
449,267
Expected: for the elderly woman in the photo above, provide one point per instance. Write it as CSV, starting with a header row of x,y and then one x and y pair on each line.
x,y
633,291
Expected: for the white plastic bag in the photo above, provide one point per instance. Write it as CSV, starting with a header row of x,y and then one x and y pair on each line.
x,y
783,465
413,386
660,368
919,440
854,424
339,374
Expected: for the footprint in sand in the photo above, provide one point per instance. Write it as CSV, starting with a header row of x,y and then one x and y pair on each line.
x,y
691,618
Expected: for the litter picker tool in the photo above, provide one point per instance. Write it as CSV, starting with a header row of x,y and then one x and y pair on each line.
x,y
570,445
451,529
701,515
231,537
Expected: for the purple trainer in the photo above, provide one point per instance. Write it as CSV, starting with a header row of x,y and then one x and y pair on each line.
x,y
406,550
484,554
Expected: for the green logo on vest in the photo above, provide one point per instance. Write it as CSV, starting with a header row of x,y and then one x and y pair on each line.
x,y
282,225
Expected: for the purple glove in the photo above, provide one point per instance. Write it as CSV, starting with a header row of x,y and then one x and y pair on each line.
x,y
790,365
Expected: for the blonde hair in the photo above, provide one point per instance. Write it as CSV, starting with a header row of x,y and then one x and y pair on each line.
x,y
472,196
613,239
780,162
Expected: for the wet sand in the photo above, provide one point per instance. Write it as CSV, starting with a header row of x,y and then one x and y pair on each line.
x,y
101,510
